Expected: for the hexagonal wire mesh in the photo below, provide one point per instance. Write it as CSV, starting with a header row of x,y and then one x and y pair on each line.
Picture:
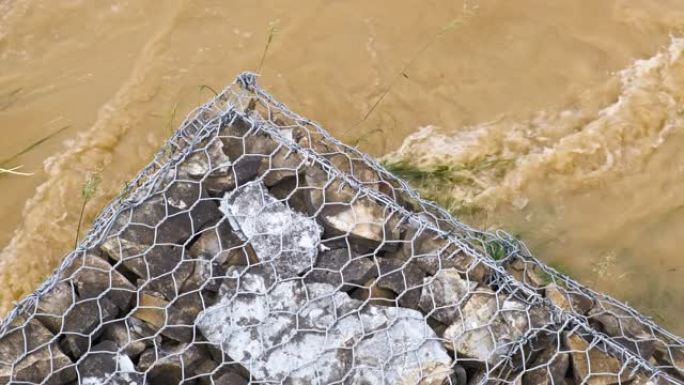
x,y
256,248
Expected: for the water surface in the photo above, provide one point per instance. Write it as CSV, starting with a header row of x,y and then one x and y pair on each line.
x,y
590,135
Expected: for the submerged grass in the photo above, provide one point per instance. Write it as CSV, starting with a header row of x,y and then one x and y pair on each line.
x,y
15,170
468,13
33,145
8,99
436,182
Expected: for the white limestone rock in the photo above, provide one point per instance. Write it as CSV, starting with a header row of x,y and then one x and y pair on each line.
x,y
443,293
303,333
280,236
480,332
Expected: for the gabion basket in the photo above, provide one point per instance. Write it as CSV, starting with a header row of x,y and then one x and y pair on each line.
x,y
257,249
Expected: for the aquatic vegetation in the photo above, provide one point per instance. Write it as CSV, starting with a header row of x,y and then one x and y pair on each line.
x,y
436,182
87,193
272,31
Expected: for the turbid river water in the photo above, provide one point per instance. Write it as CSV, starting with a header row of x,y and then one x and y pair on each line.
x,y
564,118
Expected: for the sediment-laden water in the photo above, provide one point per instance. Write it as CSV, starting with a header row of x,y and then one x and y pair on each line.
x,y
560,121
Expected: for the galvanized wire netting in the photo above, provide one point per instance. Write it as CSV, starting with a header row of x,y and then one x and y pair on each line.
x,y
256,248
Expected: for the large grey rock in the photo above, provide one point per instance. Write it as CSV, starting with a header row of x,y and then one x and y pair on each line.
x,y
29,353
310,333
103,364
287,240
444,293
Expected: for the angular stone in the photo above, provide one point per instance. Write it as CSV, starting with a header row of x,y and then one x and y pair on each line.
x,y
480,333
161,267
670,355
405,279
311,139
527,273
182,312
205,276
478,378
63,312
345,211
217,244
342,268
169,217
170,364
549,368
244,169
83,323
281,164
515,314
174,319
131,335
54,305
625,329
374,294
458,376
206,162
230,378
189,209
443,294
251,143
216,186
356,168
301,333
571,301
152,308
432,253
93,277
591,366
104,365
293,192
281,237
642,379
29,353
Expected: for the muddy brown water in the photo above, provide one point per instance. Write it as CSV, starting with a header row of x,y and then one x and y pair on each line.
x,y
591,136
